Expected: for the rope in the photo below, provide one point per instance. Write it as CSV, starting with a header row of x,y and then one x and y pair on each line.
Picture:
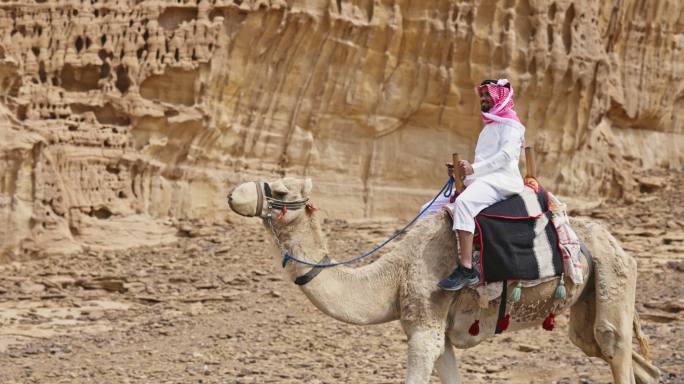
x,y
445,191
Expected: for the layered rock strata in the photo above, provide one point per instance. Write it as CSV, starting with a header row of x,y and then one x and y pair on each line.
x,y
119,118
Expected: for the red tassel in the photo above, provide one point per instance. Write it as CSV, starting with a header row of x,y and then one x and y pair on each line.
x,y
311,208
474,329
282,213
549,322
505,322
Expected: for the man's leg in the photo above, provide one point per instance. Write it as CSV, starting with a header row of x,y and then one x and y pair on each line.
x,y
464,275
465,242
468,204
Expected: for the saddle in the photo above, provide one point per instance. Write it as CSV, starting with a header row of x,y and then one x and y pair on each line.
x,y
516,239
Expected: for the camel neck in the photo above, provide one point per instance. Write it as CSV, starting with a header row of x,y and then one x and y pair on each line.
x,y
364,295
303,239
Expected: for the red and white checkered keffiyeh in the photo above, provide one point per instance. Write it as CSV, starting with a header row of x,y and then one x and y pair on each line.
x,y
503,103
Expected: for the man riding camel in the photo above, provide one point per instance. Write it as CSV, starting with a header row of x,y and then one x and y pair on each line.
x,y
492,177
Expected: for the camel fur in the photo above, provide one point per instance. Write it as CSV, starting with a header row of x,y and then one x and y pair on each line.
x,y
402,285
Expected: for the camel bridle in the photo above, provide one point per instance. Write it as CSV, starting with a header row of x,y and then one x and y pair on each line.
x,y
265,195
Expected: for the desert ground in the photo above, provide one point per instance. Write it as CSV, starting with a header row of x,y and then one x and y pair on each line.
x,y
215,307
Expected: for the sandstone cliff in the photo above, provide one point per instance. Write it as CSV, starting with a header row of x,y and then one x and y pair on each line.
x,y
119,118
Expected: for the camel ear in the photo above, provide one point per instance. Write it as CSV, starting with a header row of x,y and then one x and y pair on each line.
x,y
306,188
278,187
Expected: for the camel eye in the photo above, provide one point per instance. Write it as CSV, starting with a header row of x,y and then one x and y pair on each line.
x,y
279,195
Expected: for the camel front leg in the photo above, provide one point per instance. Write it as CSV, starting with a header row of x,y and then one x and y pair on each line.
x,y
447,366
425,345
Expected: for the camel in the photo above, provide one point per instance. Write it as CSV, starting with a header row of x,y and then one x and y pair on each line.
x,y
402,285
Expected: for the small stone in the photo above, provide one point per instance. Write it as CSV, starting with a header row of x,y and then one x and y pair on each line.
x,y
492,369
196,308
528,348
676,265
30,287
651,184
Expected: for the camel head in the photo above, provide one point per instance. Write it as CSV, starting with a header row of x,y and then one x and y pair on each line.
x,y
283,198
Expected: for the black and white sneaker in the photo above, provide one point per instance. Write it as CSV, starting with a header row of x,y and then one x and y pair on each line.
x,y
460,278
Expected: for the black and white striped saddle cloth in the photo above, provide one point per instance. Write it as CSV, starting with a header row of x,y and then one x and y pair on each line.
x,y
518,240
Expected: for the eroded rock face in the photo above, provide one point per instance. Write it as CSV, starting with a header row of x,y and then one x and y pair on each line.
x,y
132,114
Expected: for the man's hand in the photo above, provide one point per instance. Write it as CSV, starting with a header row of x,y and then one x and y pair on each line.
x,y
450,169
465,167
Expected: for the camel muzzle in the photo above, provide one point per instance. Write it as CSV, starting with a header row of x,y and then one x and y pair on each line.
x,y
256,199
244,199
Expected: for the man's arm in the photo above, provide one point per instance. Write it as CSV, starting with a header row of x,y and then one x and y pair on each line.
x,y
512,143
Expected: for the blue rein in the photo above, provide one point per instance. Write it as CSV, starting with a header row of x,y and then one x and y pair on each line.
x,y
446,191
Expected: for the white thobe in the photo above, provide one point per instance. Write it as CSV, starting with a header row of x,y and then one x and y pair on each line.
x,y
495,173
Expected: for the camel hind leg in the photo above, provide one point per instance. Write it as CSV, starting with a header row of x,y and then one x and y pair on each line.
x,y
581,333
425,347
447,366
601,323
581,327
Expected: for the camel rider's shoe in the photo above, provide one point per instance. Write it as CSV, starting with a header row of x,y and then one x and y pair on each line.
x,y
459,278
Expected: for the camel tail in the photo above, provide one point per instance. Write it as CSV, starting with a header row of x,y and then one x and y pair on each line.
x,y
644,347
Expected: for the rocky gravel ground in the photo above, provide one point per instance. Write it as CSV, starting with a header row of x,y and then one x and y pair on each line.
x,y
215,307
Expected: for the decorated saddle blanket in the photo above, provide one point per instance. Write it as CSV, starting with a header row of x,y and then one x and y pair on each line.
x,y
518,240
